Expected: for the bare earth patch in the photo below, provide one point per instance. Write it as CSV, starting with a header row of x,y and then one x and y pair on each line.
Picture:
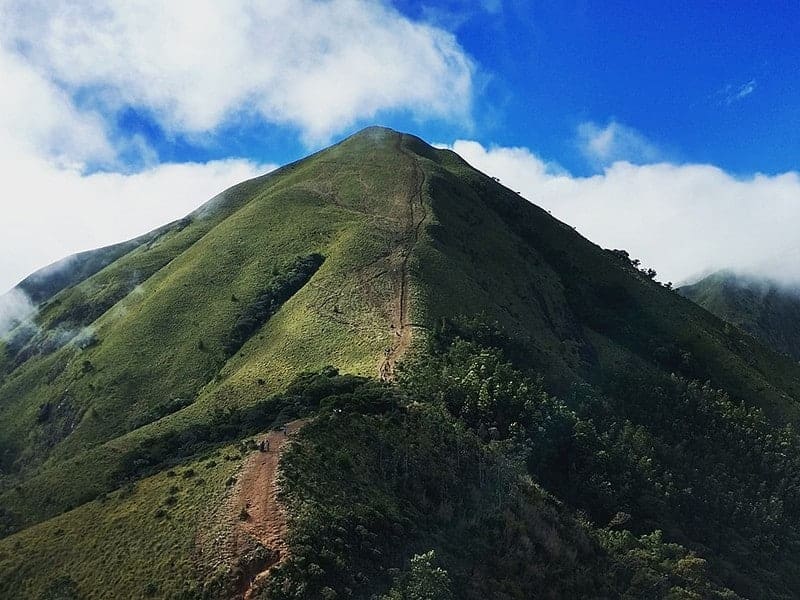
x,y
247,534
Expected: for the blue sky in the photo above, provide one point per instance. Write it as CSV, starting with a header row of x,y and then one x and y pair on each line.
x,y
709,82
706,82
668,129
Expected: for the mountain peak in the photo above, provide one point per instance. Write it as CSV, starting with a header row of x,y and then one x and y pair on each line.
x,y
534,351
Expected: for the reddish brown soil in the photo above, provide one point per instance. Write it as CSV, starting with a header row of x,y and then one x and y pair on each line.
x,y
400,325
265,525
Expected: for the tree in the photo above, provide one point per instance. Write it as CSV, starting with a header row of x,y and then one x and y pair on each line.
x,y
422,581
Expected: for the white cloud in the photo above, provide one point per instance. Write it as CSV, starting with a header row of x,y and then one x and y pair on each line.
x,y
36,117
50,212
614,142
679,219
320,66
50,208
15,308
735,93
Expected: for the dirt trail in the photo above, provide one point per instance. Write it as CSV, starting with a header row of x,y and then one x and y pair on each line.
x,y
400,325
265,525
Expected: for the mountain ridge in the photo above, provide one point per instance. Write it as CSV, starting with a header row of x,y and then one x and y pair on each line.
x,y
507,321
764,308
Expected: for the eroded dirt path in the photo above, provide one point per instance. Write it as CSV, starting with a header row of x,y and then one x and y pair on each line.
x,y
400,323
255,497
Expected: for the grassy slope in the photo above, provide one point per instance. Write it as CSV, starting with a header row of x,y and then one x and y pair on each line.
x,y
762,308
484,250
348,204
116,546
586,311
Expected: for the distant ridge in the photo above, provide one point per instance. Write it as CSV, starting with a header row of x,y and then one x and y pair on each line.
x,y
766,309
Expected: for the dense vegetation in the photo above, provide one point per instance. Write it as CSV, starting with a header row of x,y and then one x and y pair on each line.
x,y
389,493
622,442
662,453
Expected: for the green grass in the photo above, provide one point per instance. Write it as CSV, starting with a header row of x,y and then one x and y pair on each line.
x,y
582,313
118,546
149,350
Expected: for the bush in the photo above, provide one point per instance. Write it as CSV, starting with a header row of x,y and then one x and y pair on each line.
x,y
423,581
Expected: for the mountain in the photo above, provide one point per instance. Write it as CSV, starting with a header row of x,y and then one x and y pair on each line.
x,y
478,402
766,309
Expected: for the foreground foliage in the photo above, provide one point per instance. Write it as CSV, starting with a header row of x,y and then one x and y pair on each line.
x,y
646,452
383,477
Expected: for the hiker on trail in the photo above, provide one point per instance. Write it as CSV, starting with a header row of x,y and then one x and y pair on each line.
x,y
266,445
261,446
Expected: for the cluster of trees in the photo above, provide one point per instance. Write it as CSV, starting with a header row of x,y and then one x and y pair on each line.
x,y
391,495
266,303
649,272
668,453
301,398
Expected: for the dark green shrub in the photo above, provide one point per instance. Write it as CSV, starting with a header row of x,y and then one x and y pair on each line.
x,y
270,300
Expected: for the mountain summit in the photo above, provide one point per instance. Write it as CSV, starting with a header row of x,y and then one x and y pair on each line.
x,y
377,372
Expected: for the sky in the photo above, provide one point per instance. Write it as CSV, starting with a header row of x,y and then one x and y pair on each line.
x,y
671,130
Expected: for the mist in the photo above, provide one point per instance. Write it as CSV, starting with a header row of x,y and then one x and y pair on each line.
x,y
15,308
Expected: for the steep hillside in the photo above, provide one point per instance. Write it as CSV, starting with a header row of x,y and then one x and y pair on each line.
x,y
148,334
485,349
767,310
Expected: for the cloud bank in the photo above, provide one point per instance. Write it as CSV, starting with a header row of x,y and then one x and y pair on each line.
x,y
71,68
681,220
319,66
50,212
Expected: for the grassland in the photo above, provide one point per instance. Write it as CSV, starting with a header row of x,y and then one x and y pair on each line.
x,y
156,365
164,340
137,542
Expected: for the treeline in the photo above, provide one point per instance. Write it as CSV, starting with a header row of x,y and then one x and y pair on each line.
x,y
301,398
389,493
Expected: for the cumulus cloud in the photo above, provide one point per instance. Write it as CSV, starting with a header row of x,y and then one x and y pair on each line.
x,y
681,220
50,207
604,145
71,67
38,118
319,66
